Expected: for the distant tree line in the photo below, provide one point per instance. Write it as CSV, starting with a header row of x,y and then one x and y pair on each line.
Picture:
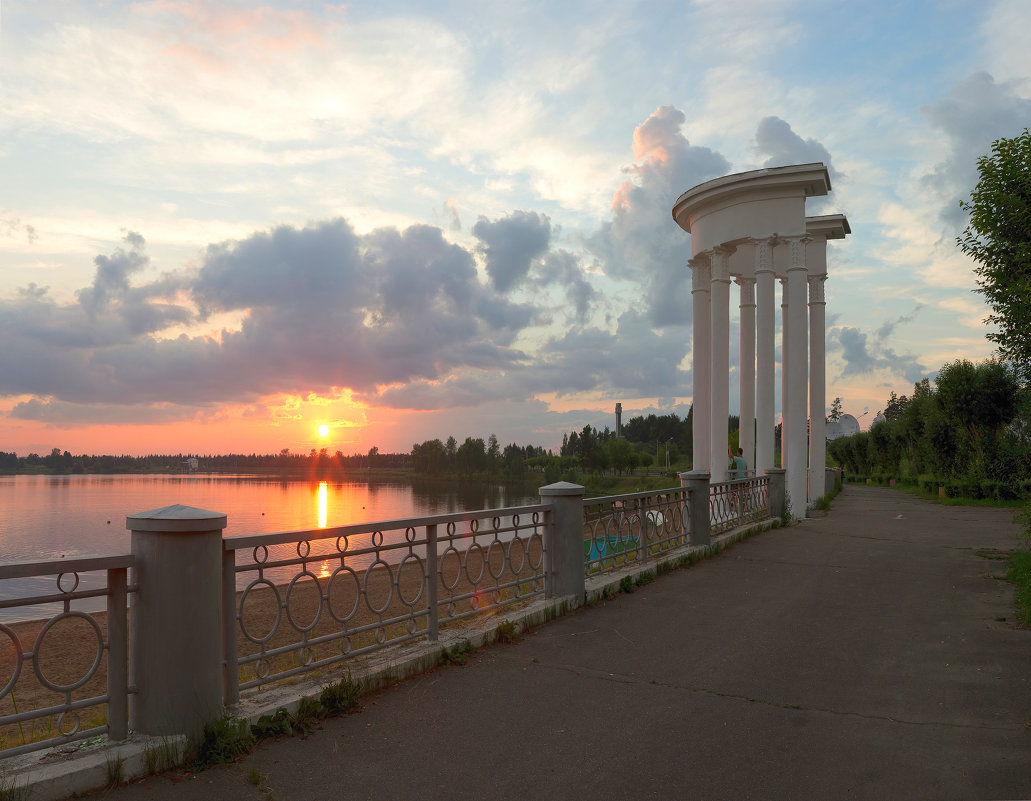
x,y
970,433
63,462
646,440
478,457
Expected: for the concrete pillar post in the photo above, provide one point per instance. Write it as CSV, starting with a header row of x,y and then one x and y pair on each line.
x,y
747,400
765,354
564,541
798,379
720,374
701,360
775,491
817,387
176,620
696,483
785,357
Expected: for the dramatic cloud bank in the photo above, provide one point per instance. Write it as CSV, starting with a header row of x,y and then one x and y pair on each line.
x,y
400,318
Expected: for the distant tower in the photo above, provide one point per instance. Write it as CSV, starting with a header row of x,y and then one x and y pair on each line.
x,y
619,420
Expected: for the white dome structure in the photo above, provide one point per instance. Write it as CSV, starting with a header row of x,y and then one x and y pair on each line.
x,y
849,425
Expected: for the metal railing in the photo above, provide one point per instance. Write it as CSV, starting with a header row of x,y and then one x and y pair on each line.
x,y
304,600
76,665
622,529
737,503
300,601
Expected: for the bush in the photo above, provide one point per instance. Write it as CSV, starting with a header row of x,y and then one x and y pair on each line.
x,y
225,741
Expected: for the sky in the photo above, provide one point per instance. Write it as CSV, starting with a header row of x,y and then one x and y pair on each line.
x,y
225,224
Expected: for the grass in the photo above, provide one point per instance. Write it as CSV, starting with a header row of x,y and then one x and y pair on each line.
x,y
507,632
823,503
11,792
916,491
341,698
1020,574
115,772
161,757
225,740
457,655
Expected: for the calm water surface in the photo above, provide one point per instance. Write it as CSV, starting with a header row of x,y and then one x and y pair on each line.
x,y
53,517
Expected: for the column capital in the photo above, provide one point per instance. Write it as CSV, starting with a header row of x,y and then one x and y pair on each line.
x,y
796,249
747,290
816,289
764,254
720,260
701,276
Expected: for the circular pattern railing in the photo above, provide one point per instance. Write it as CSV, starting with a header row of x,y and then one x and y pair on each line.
x,y
346,597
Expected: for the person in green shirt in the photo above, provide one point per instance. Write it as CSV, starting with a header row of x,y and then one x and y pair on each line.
x,y
738,466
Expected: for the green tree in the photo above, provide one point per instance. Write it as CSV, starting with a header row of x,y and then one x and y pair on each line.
x,y
998,238
895,407
622,455
835,410
980,399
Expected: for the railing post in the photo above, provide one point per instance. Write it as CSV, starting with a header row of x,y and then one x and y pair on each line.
x,y
230,666
117,655
696,482
432,582
777,493
564,540
176,652
642,507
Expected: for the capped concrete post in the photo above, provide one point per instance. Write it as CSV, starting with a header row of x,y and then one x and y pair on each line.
x,y
176,621
832,480
564,541
776,491
696,482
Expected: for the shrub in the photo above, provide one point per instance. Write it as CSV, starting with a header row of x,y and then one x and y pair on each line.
x,y
225,741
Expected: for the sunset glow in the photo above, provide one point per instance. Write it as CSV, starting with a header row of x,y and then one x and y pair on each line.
x,y
347,258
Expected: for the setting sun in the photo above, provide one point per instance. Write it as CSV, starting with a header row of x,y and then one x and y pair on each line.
x,y
323,430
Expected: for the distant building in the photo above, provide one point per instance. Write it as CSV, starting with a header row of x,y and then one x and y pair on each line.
x,y
191,465
844,426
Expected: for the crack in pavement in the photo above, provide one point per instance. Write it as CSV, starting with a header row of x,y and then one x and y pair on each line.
x,y
619,678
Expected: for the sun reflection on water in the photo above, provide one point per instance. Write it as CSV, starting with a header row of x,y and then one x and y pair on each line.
x,y
323,504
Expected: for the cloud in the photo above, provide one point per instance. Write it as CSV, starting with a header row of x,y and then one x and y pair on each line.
x,y
564,268
322,307
510,245
889,326
976,112
14,228
62,414
774,137
641,242
633,361
863,357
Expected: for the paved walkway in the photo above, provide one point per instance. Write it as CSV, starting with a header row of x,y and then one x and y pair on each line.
x,y
868,654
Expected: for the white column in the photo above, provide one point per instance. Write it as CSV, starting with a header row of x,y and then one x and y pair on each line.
x,y
784,372
720,375
798,378
765,355
701,360
747,391
817,387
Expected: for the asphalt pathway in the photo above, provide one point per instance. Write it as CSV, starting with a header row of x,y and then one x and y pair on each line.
x,y
871,653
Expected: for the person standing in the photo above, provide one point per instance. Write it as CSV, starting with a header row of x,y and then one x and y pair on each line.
x,y
738,465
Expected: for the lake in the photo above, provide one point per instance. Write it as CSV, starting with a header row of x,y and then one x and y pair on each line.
x,y
50,517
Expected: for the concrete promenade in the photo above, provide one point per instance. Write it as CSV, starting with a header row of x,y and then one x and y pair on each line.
x,y
871,653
